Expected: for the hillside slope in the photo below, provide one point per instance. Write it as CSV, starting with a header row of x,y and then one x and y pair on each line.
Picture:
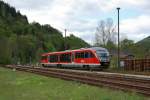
x,y
21,41
144,43
143,47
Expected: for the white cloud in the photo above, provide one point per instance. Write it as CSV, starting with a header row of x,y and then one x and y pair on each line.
x,y
30,4
132,4
80,17
136,28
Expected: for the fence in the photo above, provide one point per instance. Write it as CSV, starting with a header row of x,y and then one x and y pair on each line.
x,y
137,64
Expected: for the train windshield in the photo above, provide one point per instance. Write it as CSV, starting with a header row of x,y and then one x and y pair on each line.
x,y
103,55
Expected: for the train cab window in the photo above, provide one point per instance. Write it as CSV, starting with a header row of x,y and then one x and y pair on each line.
x,y
88,55
65,57
91,55
53,58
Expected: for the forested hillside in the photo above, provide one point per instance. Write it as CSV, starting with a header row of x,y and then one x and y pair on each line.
x,y
143,47
21,41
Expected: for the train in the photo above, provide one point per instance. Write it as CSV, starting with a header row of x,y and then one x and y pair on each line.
x,y
93,57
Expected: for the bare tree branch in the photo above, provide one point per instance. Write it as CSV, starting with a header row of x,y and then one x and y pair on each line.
x,y
105,32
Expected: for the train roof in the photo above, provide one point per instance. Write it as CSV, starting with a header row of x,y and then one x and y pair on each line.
x,y
91,48
98,48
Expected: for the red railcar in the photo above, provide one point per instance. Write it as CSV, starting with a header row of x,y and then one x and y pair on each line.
x,y
84,57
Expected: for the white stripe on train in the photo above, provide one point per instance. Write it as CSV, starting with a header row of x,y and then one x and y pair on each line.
x,y
72,64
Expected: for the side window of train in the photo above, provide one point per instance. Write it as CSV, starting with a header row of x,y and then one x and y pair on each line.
x,y
53,58
68,57
77,55
65,57
86,55
50,58
62,57
82,54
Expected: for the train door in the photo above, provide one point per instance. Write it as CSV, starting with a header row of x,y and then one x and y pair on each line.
x,y
72,57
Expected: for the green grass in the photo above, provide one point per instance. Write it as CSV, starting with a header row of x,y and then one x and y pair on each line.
x,y
15,85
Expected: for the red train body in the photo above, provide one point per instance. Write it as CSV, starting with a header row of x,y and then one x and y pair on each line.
x,y
84,57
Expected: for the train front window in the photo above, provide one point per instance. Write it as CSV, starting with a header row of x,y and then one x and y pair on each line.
x,y
103,56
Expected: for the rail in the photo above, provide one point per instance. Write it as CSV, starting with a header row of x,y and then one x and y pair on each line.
x,y
116,81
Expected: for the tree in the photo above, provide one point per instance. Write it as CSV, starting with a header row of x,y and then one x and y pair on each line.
x,y
111,46
24,42
105,32
126,43
128,46
5,50
73,42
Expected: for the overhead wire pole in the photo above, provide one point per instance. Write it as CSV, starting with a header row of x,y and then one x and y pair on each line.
x,y
118,40
65,39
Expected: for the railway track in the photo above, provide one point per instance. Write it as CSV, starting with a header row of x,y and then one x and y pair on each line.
x,y
139,84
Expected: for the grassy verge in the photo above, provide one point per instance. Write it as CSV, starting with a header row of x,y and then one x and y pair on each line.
x,y
15,85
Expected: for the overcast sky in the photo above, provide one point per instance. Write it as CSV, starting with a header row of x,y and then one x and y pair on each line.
x,y
81,17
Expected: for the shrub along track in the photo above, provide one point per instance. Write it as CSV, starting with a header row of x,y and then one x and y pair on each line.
x,y
135,83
